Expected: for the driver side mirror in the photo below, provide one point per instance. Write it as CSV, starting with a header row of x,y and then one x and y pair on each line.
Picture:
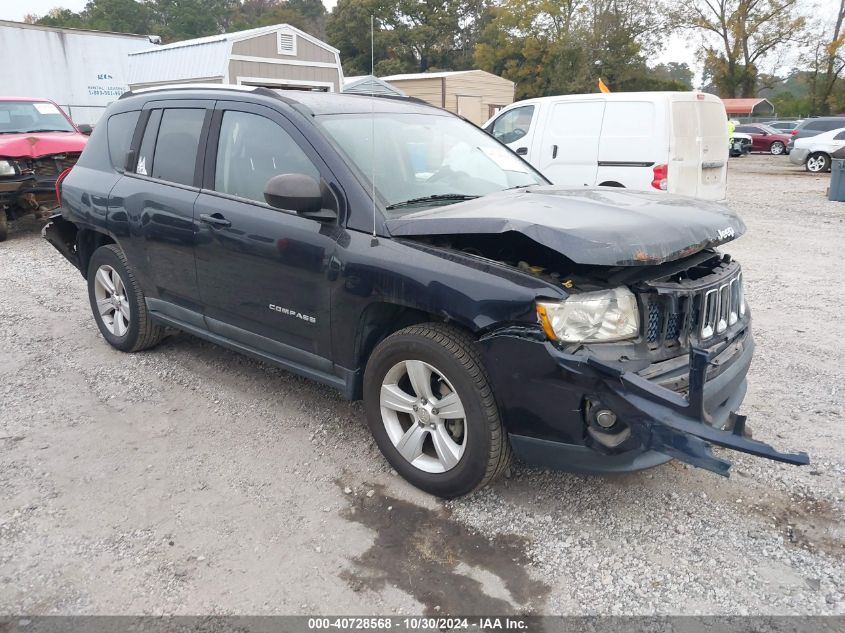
x,y
85,129
299,193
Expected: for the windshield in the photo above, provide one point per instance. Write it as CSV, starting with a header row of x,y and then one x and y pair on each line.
x,y
426,160
17,117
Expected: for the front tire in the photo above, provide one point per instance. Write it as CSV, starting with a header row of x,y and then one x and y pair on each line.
x,y
431,410
817,163
118,304
777,148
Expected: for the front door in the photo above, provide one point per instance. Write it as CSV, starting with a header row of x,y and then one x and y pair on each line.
x,y
262,272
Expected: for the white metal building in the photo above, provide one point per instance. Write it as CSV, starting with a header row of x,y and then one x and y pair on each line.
x,y
83,71
277,56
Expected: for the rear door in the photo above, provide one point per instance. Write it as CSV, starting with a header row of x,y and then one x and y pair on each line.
x,y
698,148
262,272
151,208
758,137
568,147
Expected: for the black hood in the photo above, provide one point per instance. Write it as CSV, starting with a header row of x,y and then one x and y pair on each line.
x,y
601,226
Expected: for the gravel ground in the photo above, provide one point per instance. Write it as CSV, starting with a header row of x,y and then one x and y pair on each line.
x,y
189,480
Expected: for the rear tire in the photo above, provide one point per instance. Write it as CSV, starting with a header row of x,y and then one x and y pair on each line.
x,y
118,304
4,225
817,163
411,379
777,148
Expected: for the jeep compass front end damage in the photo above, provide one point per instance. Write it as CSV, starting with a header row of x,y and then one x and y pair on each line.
x,y
646,357
477,310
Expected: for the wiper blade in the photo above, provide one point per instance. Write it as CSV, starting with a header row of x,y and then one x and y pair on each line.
x,y
44,130
434,198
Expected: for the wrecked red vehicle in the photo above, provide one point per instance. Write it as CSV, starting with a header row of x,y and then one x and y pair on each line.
x,y
37,143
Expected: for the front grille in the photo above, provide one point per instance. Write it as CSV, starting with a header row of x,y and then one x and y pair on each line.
x,y
674,312
49,167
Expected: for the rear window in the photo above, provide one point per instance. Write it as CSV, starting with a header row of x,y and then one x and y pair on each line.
x,y
176,147
121,127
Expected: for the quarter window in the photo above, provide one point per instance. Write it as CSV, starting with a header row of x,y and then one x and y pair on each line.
x,y
513,124
120,129
251,150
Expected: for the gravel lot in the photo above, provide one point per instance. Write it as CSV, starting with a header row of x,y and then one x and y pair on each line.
x,y
191,480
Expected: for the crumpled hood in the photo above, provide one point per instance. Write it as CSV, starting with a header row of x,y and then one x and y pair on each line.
x,y
40,144
599,226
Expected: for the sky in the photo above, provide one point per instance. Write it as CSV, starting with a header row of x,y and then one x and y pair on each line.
x,y
677,48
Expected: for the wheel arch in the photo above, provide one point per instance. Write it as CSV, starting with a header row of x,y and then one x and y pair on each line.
x,y
383,318
87,242
611,183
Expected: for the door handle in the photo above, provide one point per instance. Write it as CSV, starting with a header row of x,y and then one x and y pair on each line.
x,y
215,219
554,151
522,151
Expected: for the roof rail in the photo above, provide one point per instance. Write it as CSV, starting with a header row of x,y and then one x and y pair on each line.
x,y
199,86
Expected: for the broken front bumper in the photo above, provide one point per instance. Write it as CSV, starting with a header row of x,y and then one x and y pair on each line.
x,y
541,391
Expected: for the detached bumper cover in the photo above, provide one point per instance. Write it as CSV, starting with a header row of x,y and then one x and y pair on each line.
x,y
541,390
680,427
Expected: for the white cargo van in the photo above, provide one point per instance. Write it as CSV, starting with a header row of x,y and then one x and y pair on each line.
x,y
667,141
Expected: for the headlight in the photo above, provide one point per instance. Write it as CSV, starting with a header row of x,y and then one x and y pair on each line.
x,y
8,168
591,317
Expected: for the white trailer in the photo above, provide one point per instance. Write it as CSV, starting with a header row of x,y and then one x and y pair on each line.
x,y
83,71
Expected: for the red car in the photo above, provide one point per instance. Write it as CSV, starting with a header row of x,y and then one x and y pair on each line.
x,y
38,141
765,138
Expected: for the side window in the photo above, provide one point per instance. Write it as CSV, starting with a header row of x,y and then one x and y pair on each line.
x,y
120,129
144,164
746,129
175,154
513,124
251,150
831,125
840,136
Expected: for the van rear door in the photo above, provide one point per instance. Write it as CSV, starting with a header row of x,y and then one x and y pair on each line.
x,y
698,148
567,150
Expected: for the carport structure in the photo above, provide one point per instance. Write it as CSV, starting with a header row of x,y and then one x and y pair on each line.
x,y
276,56
747,108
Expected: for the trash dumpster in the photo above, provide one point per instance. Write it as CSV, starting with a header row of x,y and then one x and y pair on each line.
x,y
837,180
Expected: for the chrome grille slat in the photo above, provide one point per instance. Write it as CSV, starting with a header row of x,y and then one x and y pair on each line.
x,y
701,313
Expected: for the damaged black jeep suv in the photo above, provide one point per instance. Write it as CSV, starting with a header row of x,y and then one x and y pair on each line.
x,y
396,252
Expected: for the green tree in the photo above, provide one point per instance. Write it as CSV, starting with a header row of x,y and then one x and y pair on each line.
x,y
738,36
410,36
674,71
122,16
553,47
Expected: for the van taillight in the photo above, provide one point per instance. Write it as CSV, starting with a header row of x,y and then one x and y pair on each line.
x,y
59,180
794,131
661,175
